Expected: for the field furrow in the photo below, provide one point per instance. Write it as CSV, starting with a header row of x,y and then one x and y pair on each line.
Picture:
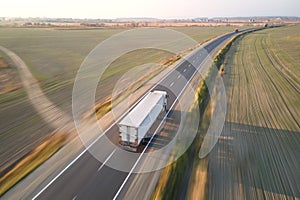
x,y
257,156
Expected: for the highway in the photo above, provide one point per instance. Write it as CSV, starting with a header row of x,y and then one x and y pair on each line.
x,y
87,178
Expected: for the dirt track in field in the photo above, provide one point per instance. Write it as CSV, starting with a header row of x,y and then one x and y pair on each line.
x,y
49,112
50,115
258,153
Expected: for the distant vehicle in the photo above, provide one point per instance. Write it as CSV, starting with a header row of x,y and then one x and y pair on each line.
x,y
266,25
236,30
135,125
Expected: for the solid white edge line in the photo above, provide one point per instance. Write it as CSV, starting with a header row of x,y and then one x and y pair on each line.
x,y
183,89
114,123
86,149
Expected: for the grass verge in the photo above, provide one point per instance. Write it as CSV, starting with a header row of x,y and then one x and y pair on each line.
x,y
172,176
54,142
105,106
167,187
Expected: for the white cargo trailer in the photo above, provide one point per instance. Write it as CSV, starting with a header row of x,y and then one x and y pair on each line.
x,y
135,125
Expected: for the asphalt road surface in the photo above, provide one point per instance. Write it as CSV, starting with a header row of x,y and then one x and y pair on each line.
x,y
87,178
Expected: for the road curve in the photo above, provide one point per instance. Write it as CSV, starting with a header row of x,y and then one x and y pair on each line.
x,y
87,178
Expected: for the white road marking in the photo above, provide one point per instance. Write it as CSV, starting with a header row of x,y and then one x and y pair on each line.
x,y
137,161
74,197
172,84
106,160
100,136
135,164
86,149
184,70
178,77
126,179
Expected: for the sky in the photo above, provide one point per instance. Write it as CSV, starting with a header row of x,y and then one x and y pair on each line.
x,y
168,9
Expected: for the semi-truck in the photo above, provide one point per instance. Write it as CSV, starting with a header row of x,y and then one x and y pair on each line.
x,y
134,127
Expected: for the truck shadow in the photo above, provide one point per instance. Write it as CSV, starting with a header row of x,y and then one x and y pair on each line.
x,y
167,132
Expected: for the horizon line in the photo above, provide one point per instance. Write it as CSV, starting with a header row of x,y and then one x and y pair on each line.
x,y
157,18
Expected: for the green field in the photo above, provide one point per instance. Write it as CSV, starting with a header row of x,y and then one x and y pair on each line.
x,y
57,54
203,33
54,56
